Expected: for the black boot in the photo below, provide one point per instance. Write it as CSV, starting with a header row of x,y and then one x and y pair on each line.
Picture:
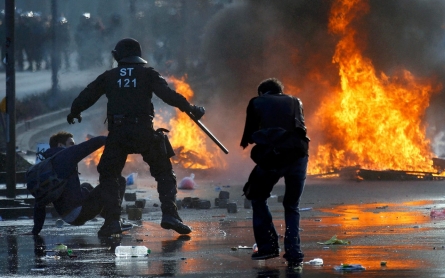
x,y
174,222
125,226
110,228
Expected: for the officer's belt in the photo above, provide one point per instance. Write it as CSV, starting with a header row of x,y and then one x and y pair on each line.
x,y
120,119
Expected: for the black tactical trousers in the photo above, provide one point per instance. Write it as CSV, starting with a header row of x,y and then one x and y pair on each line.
x,y
94,204
128,139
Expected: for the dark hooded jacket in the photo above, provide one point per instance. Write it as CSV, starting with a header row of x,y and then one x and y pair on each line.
x,y
272,110
65,166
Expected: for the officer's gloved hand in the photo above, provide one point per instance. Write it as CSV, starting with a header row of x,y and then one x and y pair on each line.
x,y
70,118
197,111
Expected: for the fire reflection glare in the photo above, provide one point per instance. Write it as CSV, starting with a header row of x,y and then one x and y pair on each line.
x,y
375,216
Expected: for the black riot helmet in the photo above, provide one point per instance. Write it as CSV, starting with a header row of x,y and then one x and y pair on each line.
x,y
128,51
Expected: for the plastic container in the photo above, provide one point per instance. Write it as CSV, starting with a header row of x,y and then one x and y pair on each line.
x,y
132,251
254,248
60,247
316,261
438,213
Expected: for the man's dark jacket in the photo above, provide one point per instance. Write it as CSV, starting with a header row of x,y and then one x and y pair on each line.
x,y
65,166
272,110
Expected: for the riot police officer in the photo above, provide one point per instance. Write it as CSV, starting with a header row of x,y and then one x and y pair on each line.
x,y
129,88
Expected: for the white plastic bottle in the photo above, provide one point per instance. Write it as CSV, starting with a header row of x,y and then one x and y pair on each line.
x,y
132,251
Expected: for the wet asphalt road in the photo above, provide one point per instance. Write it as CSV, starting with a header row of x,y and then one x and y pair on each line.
x,y
384,221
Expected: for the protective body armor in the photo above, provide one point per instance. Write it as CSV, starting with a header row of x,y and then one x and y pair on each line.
x,y
129,89
277,110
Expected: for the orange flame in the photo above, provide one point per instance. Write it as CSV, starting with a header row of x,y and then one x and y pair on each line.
x,y
187,139
94,158
373,120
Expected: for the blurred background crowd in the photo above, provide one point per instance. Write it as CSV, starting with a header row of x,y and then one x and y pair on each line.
x,y
86,31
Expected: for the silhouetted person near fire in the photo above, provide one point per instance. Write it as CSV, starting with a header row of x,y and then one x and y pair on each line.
x,y
78,203
129,88
275,123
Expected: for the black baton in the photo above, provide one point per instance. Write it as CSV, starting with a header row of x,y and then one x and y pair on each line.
x,y
198,122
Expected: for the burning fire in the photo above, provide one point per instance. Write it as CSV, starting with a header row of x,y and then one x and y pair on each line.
x,y
373,120
94,158
188,141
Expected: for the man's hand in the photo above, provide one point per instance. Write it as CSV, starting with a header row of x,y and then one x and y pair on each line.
x,y
70,118
197,111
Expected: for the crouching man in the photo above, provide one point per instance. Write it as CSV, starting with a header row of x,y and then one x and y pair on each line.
x,y
78,203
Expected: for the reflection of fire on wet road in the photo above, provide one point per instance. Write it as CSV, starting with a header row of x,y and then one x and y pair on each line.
x,y
375,217
365,225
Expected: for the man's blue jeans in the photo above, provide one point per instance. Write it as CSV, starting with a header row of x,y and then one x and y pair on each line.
x,y
262,183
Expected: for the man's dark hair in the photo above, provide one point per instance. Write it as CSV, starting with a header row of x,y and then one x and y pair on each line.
x,y
59,137
270,85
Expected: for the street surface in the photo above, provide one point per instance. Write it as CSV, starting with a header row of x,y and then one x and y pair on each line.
x,y
28,83
384,222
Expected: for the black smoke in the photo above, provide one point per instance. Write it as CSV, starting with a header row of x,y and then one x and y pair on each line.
x,y
249,41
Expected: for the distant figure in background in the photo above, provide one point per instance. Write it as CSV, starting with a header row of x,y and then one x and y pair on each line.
x,y
275,123
36,41
89,40
129,88
78,203
63,37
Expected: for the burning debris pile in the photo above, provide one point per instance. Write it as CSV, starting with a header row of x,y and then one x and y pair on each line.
x,y
372,120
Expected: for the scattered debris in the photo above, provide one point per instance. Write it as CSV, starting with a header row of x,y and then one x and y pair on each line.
x,y
382,207
438,213
130,196
244,247
131,251
247,203
232,207
187,182
349,267
140,203
335,241
224,195
60,247
305,209
316,261
255,248
131,179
